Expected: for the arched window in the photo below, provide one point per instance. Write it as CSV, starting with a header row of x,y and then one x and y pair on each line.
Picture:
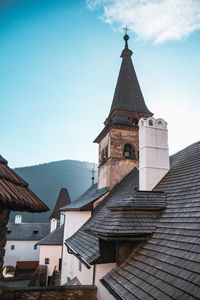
x,y
129,151
104,155
160,123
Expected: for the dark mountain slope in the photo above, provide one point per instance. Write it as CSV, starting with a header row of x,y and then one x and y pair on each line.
x,y
46,180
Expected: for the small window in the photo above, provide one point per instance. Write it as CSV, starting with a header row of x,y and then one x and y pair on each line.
x,y
80,266
46,261
35,247
129,151
12,247
134,121
150,123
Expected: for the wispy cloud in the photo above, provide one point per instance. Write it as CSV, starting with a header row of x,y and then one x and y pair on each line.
x,y
155,20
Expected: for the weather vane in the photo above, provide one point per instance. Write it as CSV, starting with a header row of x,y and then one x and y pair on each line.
x,y
126,30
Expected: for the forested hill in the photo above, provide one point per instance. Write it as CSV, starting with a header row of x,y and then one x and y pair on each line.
x,y
47,179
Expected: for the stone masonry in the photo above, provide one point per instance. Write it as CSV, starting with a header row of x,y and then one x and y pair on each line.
x,y
115,166
77,292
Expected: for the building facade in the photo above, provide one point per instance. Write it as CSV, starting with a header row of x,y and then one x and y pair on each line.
x,y
118,156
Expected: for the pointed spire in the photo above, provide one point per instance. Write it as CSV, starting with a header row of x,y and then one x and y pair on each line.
x,y
126,51
62,200
128,95
128,104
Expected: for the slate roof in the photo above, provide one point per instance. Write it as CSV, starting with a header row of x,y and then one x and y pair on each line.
x,y
85,201
62,200
168,265
131,217
14,192
27,231
54,238
87,245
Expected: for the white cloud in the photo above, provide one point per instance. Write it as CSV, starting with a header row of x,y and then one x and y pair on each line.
x,y
156,20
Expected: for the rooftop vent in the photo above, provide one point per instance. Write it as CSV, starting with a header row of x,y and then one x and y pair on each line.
x,y
18,219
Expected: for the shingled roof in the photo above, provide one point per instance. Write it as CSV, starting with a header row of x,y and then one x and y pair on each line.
x,y
128,104
54,238
128,95
131,217
86,200
87,245
168,265
62,200
27,231
14,192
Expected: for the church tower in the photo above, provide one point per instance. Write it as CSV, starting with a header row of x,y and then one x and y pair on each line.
x,y
118,141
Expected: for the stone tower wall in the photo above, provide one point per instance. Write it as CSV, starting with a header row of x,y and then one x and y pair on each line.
x,y
114,167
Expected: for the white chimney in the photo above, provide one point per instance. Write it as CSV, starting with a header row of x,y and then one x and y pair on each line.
x,y
153,152
18,219
53,224
62,218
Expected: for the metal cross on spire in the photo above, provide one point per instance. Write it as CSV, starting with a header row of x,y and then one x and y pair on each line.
x,y
126,29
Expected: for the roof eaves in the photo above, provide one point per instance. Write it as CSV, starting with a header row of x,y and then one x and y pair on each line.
x,y
72,251
121,237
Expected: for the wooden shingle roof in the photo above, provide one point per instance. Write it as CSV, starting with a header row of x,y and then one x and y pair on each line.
x,y
128,95
86,200
168,265
130,217
14,192
87,245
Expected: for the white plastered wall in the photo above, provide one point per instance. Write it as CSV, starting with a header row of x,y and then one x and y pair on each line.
x,y
23,251
73,221
101,271
53,253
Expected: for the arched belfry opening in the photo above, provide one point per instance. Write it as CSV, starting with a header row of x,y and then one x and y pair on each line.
x,y
103,155
129,151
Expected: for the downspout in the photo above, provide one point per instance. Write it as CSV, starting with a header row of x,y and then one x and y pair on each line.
x,y
94,275
62,243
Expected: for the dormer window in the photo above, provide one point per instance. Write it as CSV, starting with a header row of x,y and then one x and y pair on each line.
x,y
35,230
129,151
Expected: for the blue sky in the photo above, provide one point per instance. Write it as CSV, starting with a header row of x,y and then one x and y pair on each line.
x,y
59,62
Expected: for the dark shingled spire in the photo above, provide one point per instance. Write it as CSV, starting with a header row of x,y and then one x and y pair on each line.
x,y
62,200
128,104
128,95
